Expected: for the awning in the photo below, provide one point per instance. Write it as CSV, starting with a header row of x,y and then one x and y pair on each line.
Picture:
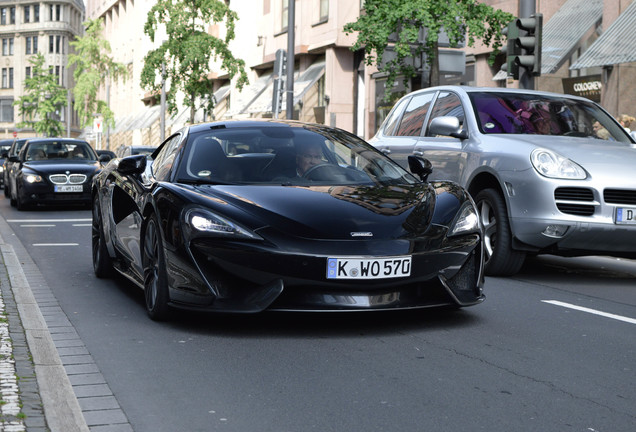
x,y
615,45
221,94
562,34
501,75
241,100
302,83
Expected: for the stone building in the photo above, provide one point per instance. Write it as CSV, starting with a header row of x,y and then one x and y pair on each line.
x,y
28,28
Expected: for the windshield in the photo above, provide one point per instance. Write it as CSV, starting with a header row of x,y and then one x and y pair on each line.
x,y
298,155
50,150
516,113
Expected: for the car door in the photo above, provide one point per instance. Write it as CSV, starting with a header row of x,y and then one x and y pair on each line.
x,y
445,153
398,142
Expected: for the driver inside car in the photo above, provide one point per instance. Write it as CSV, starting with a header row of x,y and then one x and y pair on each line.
x,y
308,156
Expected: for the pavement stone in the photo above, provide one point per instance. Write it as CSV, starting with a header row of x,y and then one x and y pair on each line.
x,y
49,382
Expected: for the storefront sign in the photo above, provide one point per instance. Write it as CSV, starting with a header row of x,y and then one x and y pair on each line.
x,y
587,87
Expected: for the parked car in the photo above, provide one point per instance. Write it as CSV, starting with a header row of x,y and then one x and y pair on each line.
x,y
6,166
5,145
550,173
52,171
201,226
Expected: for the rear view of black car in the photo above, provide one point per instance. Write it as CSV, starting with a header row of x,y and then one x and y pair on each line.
x,y
52,171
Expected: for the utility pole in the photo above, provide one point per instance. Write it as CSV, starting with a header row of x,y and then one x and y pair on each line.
x,y
162,105
291,22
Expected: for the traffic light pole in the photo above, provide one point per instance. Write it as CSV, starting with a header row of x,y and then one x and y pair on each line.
x,y
527,8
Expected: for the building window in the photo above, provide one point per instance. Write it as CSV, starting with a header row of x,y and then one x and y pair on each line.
x,y
3,16
12,15
6,110
31,43
36,13
324,10
51,44
27,72
27,14
284,17
55,12
7,77
7,46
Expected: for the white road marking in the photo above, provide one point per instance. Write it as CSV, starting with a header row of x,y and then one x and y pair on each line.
x,y
81,225
55,244
592,311
47,220
37,225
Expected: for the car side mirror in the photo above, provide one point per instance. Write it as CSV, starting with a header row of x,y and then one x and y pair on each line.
x,y
104,158
447,126
420,167
132,165
14,159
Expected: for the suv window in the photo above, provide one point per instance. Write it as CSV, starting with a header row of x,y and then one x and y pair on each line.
x,y
415,114
447,104
394,117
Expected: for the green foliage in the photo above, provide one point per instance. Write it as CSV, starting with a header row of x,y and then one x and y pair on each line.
x,y
42,98
93,66
189,50
403,19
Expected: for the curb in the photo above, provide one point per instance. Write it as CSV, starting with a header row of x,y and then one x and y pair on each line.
x,y
61,408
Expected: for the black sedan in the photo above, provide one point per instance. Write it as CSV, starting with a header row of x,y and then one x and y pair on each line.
x,y
53,171
247,216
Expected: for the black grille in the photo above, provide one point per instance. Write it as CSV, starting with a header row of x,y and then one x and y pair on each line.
x,y
576,209
620,196
574,194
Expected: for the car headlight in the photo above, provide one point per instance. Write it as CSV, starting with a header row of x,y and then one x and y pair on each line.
x,y
1,169
206,223
466,221
33,178
553,165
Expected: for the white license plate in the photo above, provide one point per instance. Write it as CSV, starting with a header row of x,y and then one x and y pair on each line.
x,y
368,268
626,215
69,188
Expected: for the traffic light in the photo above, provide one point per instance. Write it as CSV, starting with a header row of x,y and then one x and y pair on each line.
x,y
524,46
511,50
530,43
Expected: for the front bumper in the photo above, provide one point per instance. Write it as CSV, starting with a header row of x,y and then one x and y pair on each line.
x,y
253,277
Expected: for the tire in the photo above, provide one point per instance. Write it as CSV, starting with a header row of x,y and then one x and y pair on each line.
x,y
20,205
102,263
501,259
155,275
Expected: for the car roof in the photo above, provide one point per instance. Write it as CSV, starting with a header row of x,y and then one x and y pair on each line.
x,y
229,124
471,89
45,140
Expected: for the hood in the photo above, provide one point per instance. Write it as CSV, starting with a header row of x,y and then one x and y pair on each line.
x,y
329,212
48,167
600,158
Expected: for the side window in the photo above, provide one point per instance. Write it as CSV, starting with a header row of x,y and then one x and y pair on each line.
x,y
163,163
447,104
394,117
415,114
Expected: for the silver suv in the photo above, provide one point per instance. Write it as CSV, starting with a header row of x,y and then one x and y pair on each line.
x,y
550,173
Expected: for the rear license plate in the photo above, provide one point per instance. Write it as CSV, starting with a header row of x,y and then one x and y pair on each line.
x,y
368,268
626,215
69,188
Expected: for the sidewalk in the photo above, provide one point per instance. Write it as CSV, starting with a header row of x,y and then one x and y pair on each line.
x,y
49,381
34,386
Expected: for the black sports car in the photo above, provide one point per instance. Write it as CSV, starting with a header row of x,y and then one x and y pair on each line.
x,y
246,216
52,171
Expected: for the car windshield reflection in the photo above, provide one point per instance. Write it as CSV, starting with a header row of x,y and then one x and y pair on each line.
x,y
289,156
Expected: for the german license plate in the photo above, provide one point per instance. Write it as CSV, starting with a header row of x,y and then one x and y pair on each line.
x,y
626,215
368,268
68,188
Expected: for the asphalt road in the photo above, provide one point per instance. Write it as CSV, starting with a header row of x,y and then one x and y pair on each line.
x,y
552,349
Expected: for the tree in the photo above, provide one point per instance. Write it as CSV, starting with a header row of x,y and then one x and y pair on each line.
x,y
93,66
189,50
43,98
415,26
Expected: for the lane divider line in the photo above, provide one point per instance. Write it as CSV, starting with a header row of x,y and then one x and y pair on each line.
x,y
592,311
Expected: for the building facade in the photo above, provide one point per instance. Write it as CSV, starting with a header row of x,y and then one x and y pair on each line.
x,y
28,28
332,83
